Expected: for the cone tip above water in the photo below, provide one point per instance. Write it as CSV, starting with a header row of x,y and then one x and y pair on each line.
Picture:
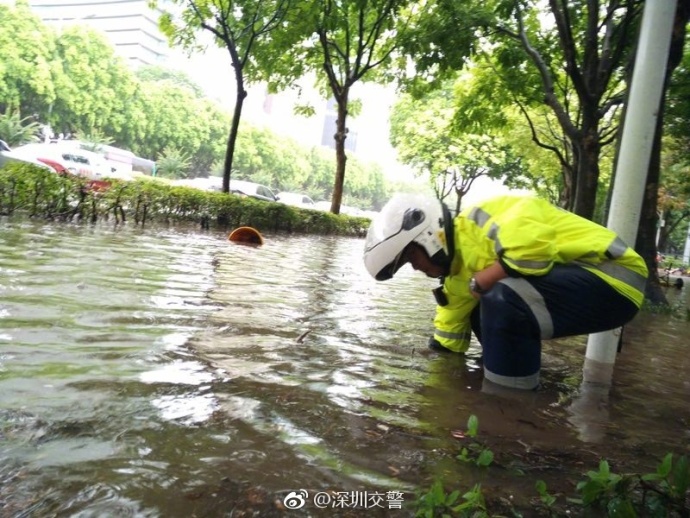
x,y
246,235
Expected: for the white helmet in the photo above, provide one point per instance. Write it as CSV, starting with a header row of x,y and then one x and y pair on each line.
x,y
408,218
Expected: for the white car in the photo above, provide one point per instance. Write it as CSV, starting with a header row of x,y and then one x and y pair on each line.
x,y
240,187
8,156
323,205
253,190
77,161
212,183
351,211
296,200
344,209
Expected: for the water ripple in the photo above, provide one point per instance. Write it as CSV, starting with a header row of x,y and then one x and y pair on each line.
x,y
141,369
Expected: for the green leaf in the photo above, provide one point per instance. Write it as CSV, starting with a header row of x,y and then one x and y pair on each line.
x,y
590,491
664,469
452,498
621,508
486,457
472,426
463,455
681,476
604,468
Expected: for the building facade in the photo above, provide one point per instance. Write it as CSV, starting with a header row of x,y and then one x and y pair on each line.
x,y
130,25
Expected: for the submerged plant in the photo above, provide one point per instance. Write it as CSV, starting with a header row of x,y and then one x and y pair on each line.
x,y
474,451
659,494
665,491
546,498
436,502
608,490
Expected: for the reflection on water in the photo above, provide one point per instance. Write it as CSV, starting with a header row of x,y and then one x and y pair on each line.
x,y
141,372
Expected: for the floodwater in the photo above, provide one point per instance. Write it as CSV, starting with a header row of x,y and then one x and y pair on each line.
x,y
165,372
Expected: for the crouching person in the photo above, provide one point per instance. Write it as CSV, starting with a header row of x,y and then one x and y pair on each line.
x,y
514,270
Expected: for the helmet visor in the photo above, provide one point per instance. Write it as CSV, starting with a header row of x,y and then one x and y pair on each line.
x,y
388,271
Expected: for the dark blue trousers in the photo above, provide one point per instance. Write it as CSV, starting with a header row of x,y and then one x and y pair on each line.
x,y
518,312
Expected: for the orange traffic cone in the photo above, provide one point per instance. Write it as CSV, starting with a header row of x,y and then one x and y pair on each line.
x,y
246,236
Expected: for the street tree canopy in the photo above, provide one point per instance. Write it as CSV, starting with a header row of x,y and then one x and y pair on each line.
x,y
422,131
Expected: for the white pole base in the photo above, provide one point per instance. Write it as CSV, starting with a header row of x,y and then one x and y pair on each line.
x,y
596,372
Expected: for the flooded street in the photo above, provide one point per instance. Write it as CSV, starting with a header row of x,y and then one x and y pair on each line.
x,y
166,372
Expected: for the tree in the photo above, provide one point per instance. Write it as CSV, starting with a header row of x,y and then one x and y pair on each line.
x,y
173,163
569,55
158,115
423,134
73,80
365,186
581,67
673,200
545,172
174,119
16,130
239,25
29,73
95,85
472,157
256,155
420,129
574,57
213,128
347,41
168,113
154,73
283,164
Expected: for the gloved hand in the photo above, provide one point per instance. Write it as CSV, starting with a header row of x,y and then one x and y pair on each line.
x,y
434,345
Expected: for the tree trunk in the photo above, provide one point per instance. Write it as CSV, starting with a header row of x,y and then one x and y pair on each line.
x,y
565,195
234,130
646,232
340,156
586,170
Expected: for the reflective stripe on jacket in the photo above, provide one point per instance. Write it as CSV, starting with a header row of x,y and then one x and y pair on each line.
x,y
528,236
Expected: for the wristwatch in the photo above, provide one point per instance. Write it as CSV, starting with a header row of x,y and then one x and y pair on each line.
x,y
475,287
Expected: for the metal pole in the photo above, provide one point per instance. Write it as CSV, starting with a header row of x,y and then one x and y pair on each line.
x,y
633,159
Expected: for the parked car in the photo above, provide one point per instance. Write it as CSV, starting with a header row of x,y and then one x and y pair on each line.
x,y
212,183
295,199
323,205
76,161
344,209
253,190
8,156
351,211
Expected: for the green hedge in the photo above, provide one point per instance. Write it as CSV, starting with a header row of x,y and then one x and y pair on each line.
x,y
36,192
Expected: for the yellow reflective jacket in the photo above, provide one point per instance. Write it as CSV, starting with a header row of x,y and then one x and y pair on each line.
x,y
528,236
